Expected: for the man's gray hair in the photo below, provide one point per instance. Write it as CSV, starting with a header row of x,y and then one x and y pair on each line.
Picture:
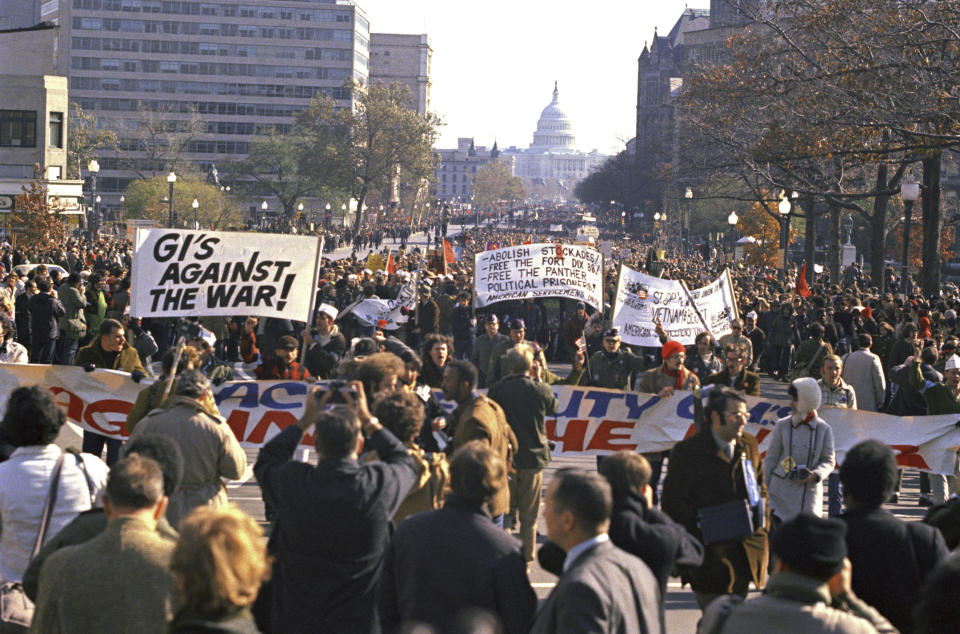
x,y
519,358
192,383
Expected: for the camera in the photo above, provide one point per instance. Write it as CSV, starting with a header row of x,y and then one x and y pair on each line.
x,y
800,472
337,388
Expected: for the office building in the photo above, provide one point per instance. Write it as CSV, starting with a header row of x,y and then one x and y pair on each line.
x,y
199,80
33,120
405,59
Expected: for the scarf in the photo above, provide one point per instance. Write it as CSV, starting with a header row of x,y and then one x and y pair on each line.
x,y
678,383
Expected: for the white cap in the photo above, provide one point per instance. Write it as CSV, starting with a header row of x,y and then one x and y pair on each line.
x,y
352,277
329,310
752,315
368,271
953,363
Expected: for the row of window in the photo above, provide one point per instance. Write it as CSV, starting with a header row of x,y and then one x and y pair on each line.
x,y
453,168
455,177
18,128
218,147
204,88
209,68
220,10
216,30
176,47
115,104
453,189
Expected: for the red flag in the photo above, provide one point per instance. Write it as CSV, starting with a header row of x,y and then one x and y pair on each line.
x,y
802,289
391,265
448,255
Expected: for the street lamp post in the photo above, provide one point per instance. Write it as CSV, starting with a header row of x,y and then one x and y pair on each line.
x,y
910,192
93,167
171,179
785,206
685,220
263,215
196,214
732,221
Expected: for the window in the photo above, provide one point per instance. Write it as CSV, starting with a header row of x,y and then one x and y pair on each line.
x,y
18,128
55,134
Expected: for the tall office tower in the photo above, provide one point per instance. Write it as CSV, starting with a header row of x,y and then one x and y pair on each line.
x,y
148,68
405,59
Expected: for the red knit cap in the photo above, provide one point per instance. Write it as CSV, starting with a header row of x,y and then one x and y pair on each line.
x,y
671,348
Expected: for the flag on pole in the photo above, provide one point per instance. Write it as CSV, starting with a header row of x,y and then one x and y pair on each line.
x,y
448,254
391,265
802,289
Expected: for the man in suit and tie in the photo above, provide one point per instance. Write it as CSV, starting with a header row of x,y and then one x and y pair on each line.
x,y
602,588
735,374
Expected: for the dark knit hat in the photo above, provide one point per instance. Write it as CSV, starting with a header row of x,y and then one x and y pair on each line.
x,y
287,342
812,545
516,324
671,348
611,333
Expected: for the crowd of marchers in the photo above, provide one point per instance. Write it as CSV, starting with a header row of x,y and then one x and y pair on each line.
x,y
415,515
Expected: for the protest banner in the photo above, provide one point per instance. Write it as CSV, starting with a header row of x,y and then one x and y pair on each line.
x,y
642,299
179,273
717,303
589,421
539,270
389,314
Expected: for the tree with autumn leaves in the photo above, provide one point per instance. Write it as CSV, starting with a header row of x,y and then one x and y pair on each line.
x,y
37,220
838,100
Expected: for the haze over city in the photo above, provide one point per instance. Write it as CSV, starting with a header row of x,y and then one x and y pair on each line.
x,y
494,63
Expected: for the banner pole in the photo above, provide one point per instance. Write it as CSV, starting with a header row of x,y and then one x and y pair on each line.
x,y
696,310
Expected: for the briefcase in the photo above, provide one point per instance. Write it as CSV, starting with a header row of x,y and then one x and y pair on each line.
x,y
724,522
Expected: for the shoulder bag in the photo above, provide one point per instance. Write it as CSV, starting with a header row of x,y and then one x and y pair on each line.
x,y
16,609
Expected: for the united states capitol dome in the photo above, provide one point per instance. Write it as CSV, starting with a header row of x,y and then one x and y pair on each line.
x,y
554,130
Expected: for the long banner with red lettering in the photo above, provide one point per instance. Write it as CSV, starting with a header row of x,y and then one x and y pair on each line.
x,y
590,421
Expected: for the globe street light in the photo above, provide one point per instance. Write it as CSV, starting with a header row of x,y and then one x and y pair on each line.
x,y
263,215
732,221
300,214
171,179
92,220
785,206
196,215
910,192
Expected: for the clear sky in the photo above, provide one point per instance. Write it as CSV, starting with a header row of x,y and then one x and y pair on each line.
x,y
494,62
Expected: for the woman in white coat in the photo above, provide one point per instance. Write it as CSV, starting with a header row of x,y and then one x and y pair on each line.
x,y
800,455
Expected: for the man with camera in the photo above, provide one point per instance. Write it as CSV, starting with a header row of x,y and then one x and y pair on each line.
x,y
332,520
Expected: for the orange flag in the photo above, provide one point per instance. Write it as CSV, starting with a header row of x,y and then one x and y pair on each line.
x,y
448,255
802,289
391,265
